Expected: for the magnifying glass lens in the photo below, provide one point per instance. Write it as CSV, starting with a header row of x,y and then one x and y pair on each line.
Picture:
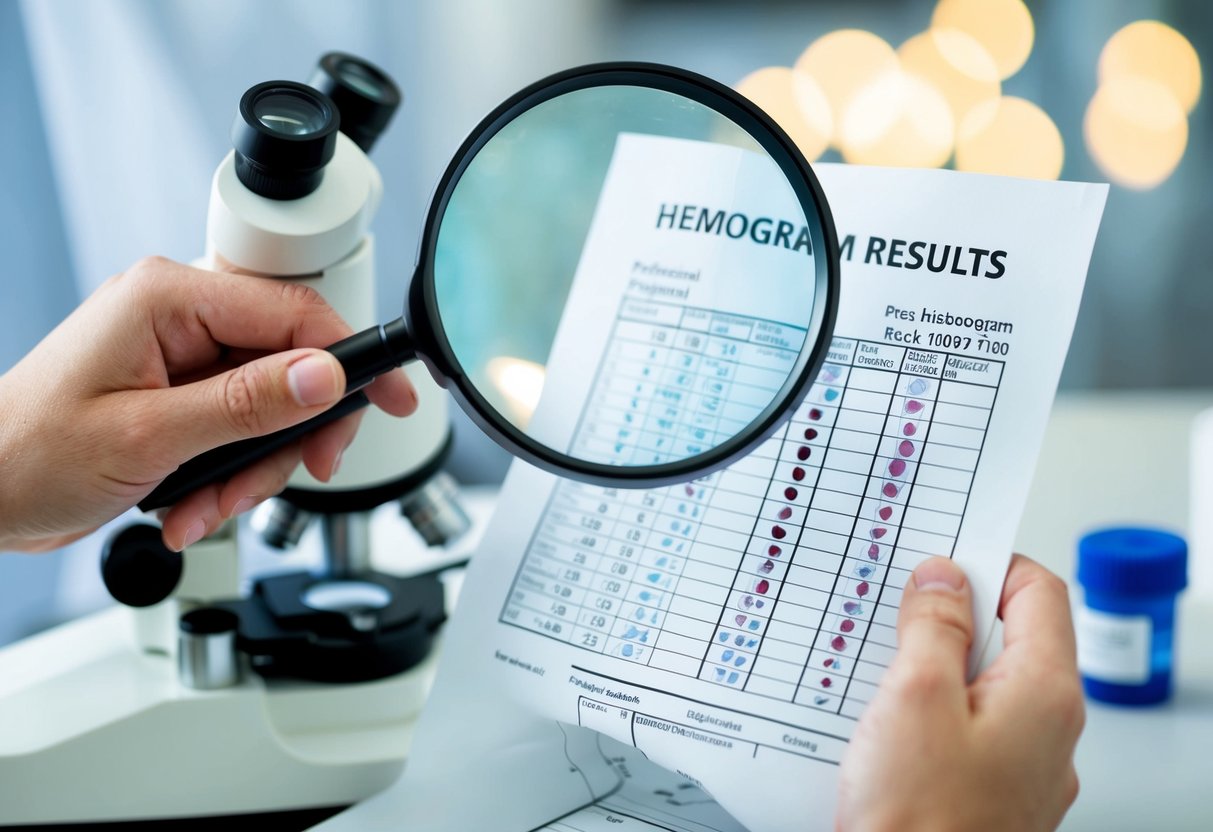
x,y
628,277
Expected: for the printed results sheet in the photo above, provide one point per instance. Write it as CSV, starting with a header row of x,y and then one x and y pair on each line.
x,y
733,628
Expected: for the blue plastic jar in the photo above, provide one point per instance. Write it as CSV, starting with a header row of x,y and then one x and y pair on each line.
x,y
1126,623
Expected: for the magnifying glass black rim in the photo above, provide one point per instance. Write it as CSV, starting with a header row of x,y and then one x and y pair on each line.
x,y
425,323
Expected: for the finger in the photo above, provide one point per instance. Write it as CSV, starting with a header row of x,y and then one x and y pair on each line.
x,y
259,482
393,393
254,399
323,449
193,518
1035,612
934,632
195,310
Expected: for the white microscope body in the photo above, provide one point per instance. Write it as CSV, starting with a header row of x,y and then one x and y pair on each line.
x,y
102,719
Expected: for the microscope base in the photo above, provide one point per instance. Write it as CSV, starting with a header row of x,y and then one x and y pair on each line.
x,y
92,729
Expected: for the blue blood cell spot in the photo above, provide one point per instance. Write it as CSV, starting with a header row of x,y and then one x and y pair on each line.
x,y
627,650
740,640
754,625
739,661
727,655
724,636
733,677
720,673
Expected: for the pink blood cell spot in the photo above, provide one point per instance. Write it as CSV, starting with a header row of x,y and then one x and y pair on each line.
x,y
791,493
889,490
762,587
838,643
810,434
874,551
897,467
828,663
774,551
913,406
690,491
803,453
847,625
909,429
878,532
906,448
862,589
885,512
815,414
798,473
779,532
826,682
785,512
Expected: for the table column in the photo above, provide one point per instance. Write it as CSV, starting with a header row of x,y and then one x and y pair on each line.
x,y
799,603
848,470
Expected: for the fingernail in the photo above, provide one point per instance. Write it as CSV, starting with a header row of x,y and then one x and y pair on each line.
x,y
336,463
312,380
243,505
194,533
939,574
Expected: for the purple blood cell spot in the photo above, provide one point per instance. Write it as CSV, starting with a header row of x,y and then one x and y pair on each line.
x,y
850,607
740,619
863,589
815,414
838,643
827,682
889,490
913,406
879,532
885,512
874,551
897,467
906,448
766,567
785,512
847,625
908,429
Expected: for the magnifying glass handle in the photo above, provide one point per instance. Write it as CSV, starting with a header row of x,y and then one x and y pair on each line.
x,y
364,356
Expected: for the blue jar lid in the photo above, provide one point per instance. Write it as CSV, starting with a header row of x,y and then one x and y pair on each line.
x,y
1131,561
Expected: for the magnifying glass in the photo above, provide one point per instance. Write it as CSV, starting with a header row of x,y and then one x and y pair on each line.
x,y
641,243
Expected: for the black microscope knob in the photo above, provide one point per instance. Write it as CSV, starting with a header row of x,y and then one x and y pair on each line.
x,y
138,569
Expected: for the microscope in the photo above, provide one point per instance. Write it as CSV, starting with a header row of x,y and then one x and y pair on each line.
x,y
201,695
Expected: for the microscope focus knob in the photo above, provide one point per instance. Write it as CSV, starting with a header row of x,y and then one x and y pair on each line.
x,y
138,569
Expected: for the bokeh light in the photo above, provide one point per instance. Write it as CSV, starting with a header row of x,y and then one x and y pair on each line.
x,y
899,120
843,63
1010,137
1136,131
1153,50
956,65
796,102
1003,27
521,383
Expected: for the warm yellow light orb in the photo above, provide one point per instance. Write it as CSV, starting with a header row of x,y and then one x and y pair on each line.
x,y
1003,27
956,65
843,63
1011,137
797,104
898,120
1150,49
521,385
1136,131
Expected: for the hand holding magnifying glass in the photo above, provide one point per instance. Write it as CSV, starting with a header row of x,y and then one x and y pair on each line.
x,y
507,263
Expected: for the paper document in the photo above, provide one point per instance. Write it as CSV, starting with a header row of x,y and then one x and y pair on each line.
x,y
732,629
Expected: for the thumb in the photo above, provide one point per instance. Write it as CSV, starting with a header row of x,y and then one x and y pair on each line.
x,y
935,624
254,399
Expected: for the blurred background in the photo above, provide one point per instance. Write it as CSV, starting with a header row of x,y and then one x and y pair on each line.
x,y
116,112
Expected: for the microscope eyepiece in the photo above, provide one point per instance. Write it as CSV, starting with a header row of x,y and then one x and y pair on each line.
x,y
364,94
284,135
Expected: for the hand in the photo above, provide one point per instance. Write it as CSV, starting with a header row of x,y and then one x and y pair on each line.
x,y
932,752
160,364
